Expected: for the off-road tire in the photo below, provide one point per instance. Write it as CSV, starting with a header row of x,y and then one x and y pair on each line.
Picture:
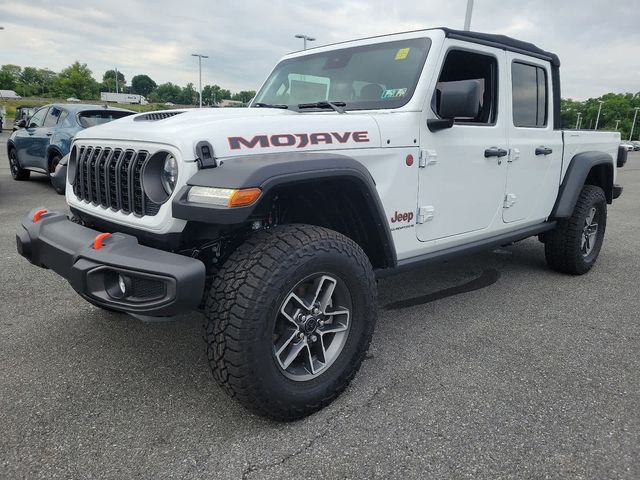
x,y
562,245
241,311
17,172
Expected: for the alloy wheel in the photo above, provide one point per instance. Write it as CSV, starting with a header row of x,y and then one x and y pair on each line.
x,y
312,327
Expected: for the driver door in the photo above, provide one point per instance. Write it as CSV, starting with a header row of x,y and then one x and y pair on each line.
x,y
29,143
461,182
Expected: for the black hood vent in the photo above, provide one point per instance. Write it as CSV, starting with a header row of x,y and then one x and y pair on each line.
x,y
155,116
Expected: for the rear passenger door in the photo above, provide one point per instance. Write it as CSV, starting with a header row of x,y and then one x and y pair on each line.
x,y
42,137
535,148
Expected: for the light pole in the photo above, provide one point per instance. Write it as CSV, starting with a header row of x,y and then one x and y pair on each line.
x,y
306,39
200,57
116,69
467,17
617,123
598,117
635,115
578,120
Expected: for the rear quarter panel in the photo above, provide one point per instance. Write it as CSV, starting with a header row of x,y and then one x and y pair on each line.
x,y
578,141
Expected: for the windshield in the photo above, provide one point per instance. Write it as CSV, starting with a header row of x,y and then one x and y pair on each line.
x,y
92,118
382,75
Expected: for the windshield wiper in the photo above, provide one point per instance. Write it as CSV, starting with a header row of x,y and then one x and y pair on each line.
x,y
337,106
266,105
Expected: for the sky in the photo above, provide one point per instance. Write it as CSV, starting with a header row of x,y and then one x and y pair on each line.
x,y
597,40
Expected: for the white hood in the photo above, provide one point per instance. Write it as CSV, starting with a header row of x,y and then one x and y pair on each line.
x,y
243,131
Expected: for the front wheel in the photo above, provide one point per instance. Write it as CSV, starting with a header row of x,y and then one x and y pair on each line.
x,y
17,172
574,245
289,319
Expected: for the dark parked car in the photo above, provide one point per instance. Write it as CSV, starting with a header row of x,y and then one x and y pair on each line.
x,y
23,112
41,141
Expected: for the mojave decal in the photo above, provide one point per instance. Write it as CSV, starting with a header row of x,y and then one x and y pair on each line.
x,y
297,140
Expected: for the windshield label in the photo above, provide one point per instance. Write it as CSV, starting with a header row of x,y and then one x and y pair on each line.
x,y
402,53
394,93
297,140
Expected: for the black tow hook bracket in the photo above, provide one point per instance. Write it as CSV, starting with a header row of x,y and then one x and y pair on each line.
x,y
205,156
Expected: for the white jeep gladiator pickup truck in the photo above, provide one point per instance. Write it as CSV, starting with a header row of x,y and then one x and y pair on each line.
x,y
354,161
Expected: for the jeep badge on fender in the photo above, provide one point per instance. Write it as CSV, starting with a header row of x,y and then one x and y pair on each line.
x,y
402,217
278,233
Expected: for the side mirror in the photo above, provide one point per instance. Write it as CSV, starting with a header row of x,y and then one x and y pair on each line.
x,y
458,100
21,123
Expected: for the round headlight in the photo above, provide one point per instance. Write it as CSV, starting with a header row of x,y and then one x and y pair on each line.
x,y
169,174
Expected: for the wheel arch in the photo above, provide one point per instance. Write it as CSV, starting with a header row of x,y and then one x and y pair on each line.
x,y
52,150
586,168
327,190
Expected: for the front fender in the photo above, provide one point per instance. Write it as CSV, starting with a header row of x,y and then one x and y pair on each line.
x,y
271,171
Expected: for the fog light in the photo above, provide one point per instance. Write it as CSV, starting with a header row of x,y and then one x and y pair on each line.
x,y
123,284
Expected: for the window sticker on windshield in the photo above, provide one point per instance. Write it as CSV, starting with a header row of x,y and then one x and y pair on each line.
x,y
394,93
402,53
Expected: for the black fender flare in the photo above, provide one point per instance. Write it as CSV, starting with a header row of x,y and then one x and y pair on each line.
x,y
576,177
273,170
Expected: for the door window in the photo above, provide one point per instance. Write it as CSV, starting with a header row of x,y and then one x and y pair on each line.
x,y
529,95
465,65
38,118
52,117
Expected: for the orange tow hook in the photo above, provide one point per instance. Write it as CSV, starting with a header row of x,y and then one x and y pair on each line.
x,y
98,242
38,214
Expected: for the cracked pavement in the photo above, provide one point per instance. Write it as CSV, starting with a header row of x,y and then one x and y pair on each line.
x,y
532,374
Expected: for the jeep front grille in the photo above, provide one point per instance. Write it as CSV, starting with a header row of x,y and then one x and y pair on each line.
x,y
112,177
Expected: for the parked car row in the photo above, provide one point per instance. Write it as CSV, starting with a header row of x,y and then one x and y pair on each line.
x,y
631,146
40,141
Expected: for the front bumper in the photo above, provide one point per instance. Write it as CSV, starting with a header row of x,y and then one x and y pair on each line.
x,y
157,283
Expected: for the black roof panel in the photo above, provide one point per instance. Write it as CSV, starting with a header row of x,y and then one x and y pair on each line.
x,y
504,42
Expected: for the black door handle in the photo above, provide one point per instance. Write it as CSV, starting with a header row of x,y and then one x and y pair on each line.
x,y
495,152
543,151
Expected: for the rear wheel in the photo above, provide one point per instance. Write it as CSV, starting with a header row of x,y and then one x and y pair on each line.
x,y
289,319
573,247
17,172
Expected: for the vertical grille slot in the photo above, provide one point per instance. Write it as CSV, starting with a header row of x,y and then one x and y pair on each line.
x,y
112,179
102,177
86,190
138,193
123,176
95,175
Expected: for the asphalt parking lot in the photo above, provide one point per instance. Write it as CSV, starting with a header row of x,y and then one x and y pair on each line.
x,y
531,375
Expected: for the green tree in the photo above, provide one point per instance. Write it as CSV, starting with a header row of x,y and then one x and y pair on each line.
x,y
244,96
109,81
9,76
142,85
76,81
167,92
189,95
617,110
